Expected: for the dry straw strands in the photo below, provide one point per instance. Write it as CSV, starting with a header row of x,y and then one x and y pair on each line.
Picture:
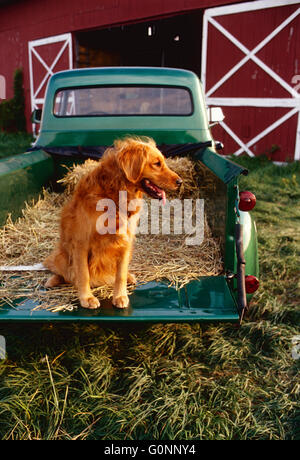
x,y
156,257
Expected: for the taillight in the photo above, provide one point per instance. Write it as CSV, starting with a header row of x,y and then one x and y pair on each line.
x,y
252,284
247,201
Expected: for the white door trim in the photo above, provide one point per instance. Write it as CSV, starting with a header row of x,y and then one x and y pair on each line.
x,y
66,40
293,102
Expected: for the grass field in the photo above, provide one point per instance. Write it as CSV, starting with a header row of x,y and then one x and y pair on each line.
x,y
187,381
12,144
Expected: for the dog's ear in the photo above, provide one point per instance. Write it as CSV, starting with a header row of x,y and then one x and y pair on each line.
x,y
132,161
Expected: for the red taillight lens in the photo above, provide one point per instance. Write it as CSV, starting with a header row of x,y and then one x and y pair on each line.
x,y
252,284
247,201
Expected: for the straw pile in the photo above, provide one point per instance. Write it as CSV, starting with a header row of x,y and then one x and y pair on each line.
x,y
156,257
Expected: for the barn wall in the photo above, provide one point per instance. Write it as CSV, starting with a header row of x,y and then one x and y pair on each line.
x,y
24,21
280,55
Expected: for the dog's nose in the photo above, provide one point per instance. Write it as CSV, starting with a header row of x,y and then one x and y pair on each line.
x,y
179,181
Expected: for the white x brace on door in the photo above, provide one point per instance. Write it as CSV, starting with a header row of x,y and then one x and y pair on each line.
x,y
58,58
292,102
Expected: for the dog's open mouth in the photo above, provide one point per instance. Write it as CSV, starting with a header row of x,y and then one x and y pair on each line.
x,y
153,190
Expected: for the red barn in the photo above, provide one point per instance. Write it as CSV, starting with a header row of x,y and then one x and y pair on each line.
x,y
245,53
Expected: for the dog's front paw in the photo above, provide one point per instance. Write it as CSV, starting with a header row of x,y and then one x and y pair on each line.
x,y
89,302
121,302
131,279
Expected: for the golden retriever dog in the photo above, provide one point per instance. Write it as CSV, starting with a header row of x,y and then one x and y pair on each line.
x,y
88,257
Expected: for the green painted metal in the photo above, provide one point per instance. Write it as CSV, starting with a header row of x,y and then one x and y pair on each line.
x,y
223,168
230,255
249,239
21,179
250,244
207,299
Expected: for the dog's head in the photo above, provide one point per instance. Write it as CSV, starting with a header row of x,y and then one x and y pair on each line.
x,y
145,166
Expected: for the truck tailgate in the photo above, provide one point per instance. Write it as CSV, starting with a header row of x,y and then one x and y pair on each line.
x,y
206,299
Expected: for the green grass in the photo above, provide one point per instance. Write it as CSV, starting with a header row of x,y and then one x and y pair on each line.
x,y
12,144
172,381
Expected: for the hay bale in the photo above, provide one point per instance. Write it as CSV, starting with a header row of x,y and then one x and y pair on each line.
x,y
74,174
156,257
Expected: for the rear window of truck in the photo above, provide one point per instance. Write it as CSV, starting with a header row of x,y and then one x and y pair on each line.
x,y
123,101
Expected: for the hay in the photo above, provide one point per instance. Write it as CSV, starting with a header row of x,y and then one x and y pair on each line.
x,y
31,238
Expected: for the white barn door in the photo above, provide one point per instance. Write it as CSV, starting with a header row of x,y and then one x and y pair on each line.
x,y
251,68
47,56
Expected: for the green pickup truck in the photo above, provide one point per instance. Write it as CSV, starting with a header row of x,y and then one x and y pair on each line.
x,y
85,110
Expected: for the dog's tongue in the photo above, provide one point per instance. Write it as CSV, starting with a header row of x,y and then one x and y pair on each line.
x,y
160,193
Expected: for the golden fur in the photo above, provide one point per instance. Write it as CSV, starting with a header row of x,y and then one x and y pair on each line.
x,y
83,256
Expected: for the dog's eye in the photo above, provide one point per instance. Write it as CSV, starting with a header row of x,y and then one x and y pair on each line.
x,y
157,163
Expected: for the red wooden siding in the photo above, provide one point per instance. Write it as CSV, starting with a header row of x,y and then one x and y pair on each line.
x,y
24,21
280,54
